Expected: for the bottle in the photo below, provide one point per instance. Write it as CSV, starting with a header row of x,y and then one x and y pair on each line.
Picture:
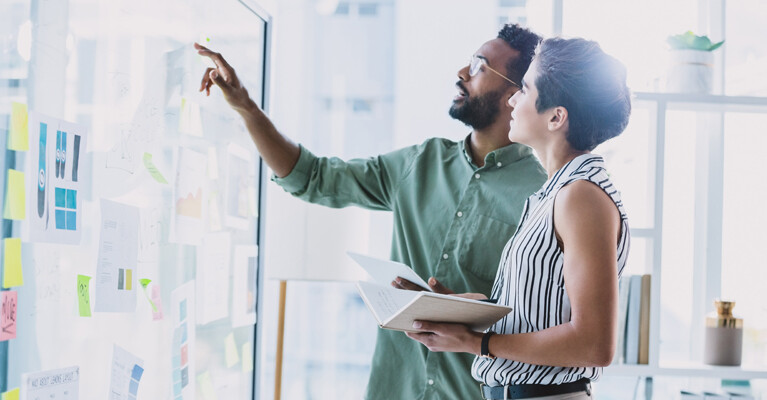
x,y
724,336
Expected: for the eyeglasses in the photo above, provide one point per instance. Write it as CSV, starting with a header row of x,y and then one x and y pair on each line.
x,y
477,62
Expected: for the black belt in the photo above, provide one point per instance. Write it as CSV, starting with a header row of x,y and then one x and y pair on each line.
x,y
530,390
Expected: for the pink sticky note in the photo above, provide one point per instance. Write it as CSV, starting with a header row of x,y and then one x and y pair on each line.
x,y
8,315
157,300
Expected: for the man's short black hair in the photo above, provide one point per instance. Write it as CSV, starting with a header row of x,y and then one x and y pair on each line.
x,y
524,41
577,75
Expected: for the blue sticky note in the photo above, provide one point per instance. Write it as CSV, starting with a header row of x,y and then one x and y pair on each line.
x,y
61,219
71,220
61,197
177,361
72,199
177,388
176,375
182,310
183,333
133,387
137,372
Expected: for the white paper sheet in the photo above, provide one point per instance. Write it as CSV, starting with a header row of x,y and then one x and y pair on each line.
x,y
213,260
240,178
244,280
58,384
385,271
183,339
186,219
116,272
127,370
55,179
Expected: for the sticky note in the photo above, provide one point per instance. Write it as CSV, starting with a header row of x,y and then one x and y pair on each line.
x,y
247,357
230,347
11,395
8,304
206,386
157,302
18,137
12,272
15,196
144,283
84,295
153,171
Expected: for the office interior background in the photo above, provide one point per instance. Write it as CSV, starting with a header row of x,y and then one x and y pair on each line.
x,y
359,78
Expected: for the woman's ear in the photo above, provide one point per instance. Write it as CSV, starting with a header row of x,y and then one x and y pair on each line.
x,y
558,118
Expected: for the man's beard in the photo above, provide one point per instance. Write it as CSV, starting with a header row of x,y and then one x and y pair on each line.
x,y
478,112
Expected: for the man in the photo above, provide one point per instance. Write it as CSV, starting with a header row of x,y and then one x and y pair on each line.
x,y
455,204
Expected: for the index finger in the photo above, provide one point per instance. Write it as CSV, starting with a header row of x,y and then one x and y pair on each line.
x,y
217,58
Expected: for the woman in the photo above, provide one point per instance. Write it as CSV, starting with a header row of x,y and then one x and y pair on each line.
x,y
560,270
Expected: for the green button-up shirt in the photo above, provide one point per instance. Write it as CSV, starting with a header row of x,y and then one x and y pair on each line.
x,y
451,221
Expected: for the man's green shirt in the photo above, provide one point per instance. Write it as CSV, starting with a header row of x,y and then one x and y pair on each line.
x,y
451,221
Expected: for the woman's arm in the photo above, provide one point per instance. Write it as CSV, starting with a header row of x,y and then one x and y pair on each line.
x,y
587,223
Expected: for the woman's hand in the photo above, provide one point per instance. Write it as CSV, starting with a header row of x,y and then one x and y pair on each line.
x,y
455,338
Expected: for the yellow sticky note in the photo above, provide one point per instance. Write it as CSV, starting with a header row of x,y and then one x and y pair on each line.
x,y
12,272
205,383
11,395
230,346
84,295
15,196
18,137
153,169
247,357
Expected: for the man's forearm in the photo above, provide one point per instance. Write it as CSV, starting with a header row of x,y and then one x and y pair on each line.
x,y
279,153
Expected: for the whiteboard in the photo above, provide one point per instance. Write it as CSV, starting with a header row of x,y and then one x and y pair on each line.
x,y
143,199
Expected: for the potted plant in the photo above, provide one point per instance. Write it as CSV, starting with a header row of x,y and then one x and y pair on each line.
x,y
692,63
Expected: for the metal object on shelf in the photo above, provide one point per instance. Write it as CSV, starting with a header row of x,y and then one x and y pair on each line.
x,y
724,336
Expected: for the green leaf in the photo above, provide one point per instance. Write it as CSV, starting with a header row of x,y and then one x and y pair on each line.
x,y
716,46
691,41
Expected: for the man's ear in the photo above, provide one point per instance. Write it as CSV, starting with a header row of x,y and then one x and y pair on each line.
x,y
558,118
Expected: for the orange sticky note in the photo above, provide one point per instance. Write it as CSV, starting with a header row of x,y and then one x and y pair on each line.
x,y
18,137
11,395
12,272
15,196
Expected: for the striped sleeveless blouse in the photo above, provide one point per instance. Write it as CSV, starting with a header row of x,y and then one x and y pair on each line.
x,y
530,278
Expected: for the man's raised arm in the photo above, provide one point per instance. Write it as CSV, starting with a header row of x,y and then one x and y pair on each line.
x,y
279,153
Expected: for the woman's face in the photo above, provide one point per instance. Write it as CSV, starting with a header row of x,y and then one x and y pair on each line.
x,y
527,125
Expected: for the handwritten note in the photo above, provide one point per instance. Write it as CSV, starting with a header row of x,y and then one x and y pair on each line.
x,y
15,196
153,169
11,395
59,384
12,275
84,295
9,301
230,347
18,137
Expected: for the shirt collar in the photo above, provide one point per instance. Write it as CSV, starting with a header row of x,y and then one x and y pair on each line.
x,y
578,164
506,155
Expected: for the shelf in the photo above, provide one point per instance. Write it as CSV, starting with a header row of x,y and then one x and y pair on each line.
x,y
704,102
687,370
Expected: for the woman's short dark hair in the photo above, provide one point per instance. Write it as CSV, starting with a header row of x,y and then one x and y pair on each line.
x,y
522,40
577,75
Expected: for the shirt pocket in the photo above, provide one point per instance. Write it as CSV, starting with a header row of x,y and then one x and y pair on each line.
x,y
481,247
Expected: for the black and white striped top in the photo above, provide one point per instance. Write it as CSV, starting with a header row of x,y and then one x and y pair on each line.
x,y
530,278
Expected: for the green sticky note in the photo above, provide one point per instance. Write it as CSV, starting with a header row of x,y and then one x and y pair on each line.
x,y
144,283
230,347
18,137
205,383
247,357
12,272
11,395
15,196
153,169
84,295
